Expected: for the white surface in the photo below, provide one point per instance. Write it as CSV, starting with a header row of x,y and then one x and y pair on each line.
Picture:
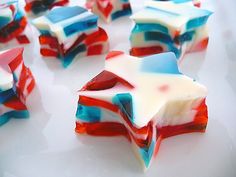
x,y
46,146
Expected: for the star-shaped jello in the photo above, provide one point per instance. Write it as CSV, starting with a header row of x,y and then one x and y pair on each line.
x,y
169,27
70,32
36,7
16,83
13,24
109,10
144,99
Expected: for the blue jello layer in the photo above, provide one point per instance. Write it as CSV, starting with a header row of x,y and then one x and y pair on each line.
x,y
13,114
4,21
124,101
65,13
165,63
61,14
68,58
88,113
82,25
5,95
139,27
147,153
197,22
121,13
163,38
41,6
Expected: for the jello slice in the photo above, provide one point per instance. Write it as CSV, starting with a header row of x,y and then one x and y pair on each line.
x,y
13,24
109,10
144,99
70,32
16,83
169,27
37,7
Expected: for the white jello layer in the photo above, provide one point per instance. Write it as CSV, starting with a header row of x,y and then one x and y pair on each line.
x,y
156,96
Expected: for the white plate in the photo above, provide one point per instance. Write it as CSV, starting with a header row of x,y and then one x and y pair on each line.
x,y
46,146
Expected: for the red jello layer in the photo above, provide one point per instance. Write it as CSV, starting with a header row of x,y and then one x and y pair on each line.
x,y
202,45
106,105
13,30
105,80
143,51
99,128
29,6
102,129
106,11
55,49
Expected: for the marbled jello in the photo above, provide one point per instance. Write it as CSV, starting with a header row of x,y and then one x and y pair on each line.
x,y
109,10
16,83
144,99
169,27
70,32
13,24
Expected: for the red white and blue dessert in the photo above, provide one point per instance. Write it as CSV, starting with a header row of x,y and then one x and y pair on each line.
x,y
13,24
70,32
169,27
16,83
144,99
109,10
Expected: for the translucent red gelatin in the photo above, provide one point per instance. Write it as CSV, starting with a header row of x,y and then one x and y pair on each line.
x,y
105,80
14,30
114,129
57,50
143,51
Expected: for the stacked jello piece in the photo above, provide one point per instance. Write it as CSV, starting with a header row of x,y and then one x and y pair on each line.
x,y
69,32
109,10
13,24
16,83
168,26
144,99
35,7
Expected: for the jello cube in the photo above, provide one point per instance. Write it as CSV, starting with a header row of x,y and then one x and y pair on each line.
x,y
16,83
36,7
196,3
13,24
69,32
169,27
144,99
109,10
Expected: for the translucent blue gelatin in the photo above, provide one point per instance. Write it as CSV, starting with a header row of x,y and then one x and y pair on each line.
x,y
68,58
165,63
197,22
88,113
121,13
149,27
82,25
147,154
124,101
13,114
5,95
63,13
4,21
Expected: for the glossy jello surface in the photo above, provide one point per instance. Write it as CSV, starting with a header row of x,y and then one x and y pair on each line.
x,y
16,83
110,10
67,33
144,99
13,24
37,7
163,26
